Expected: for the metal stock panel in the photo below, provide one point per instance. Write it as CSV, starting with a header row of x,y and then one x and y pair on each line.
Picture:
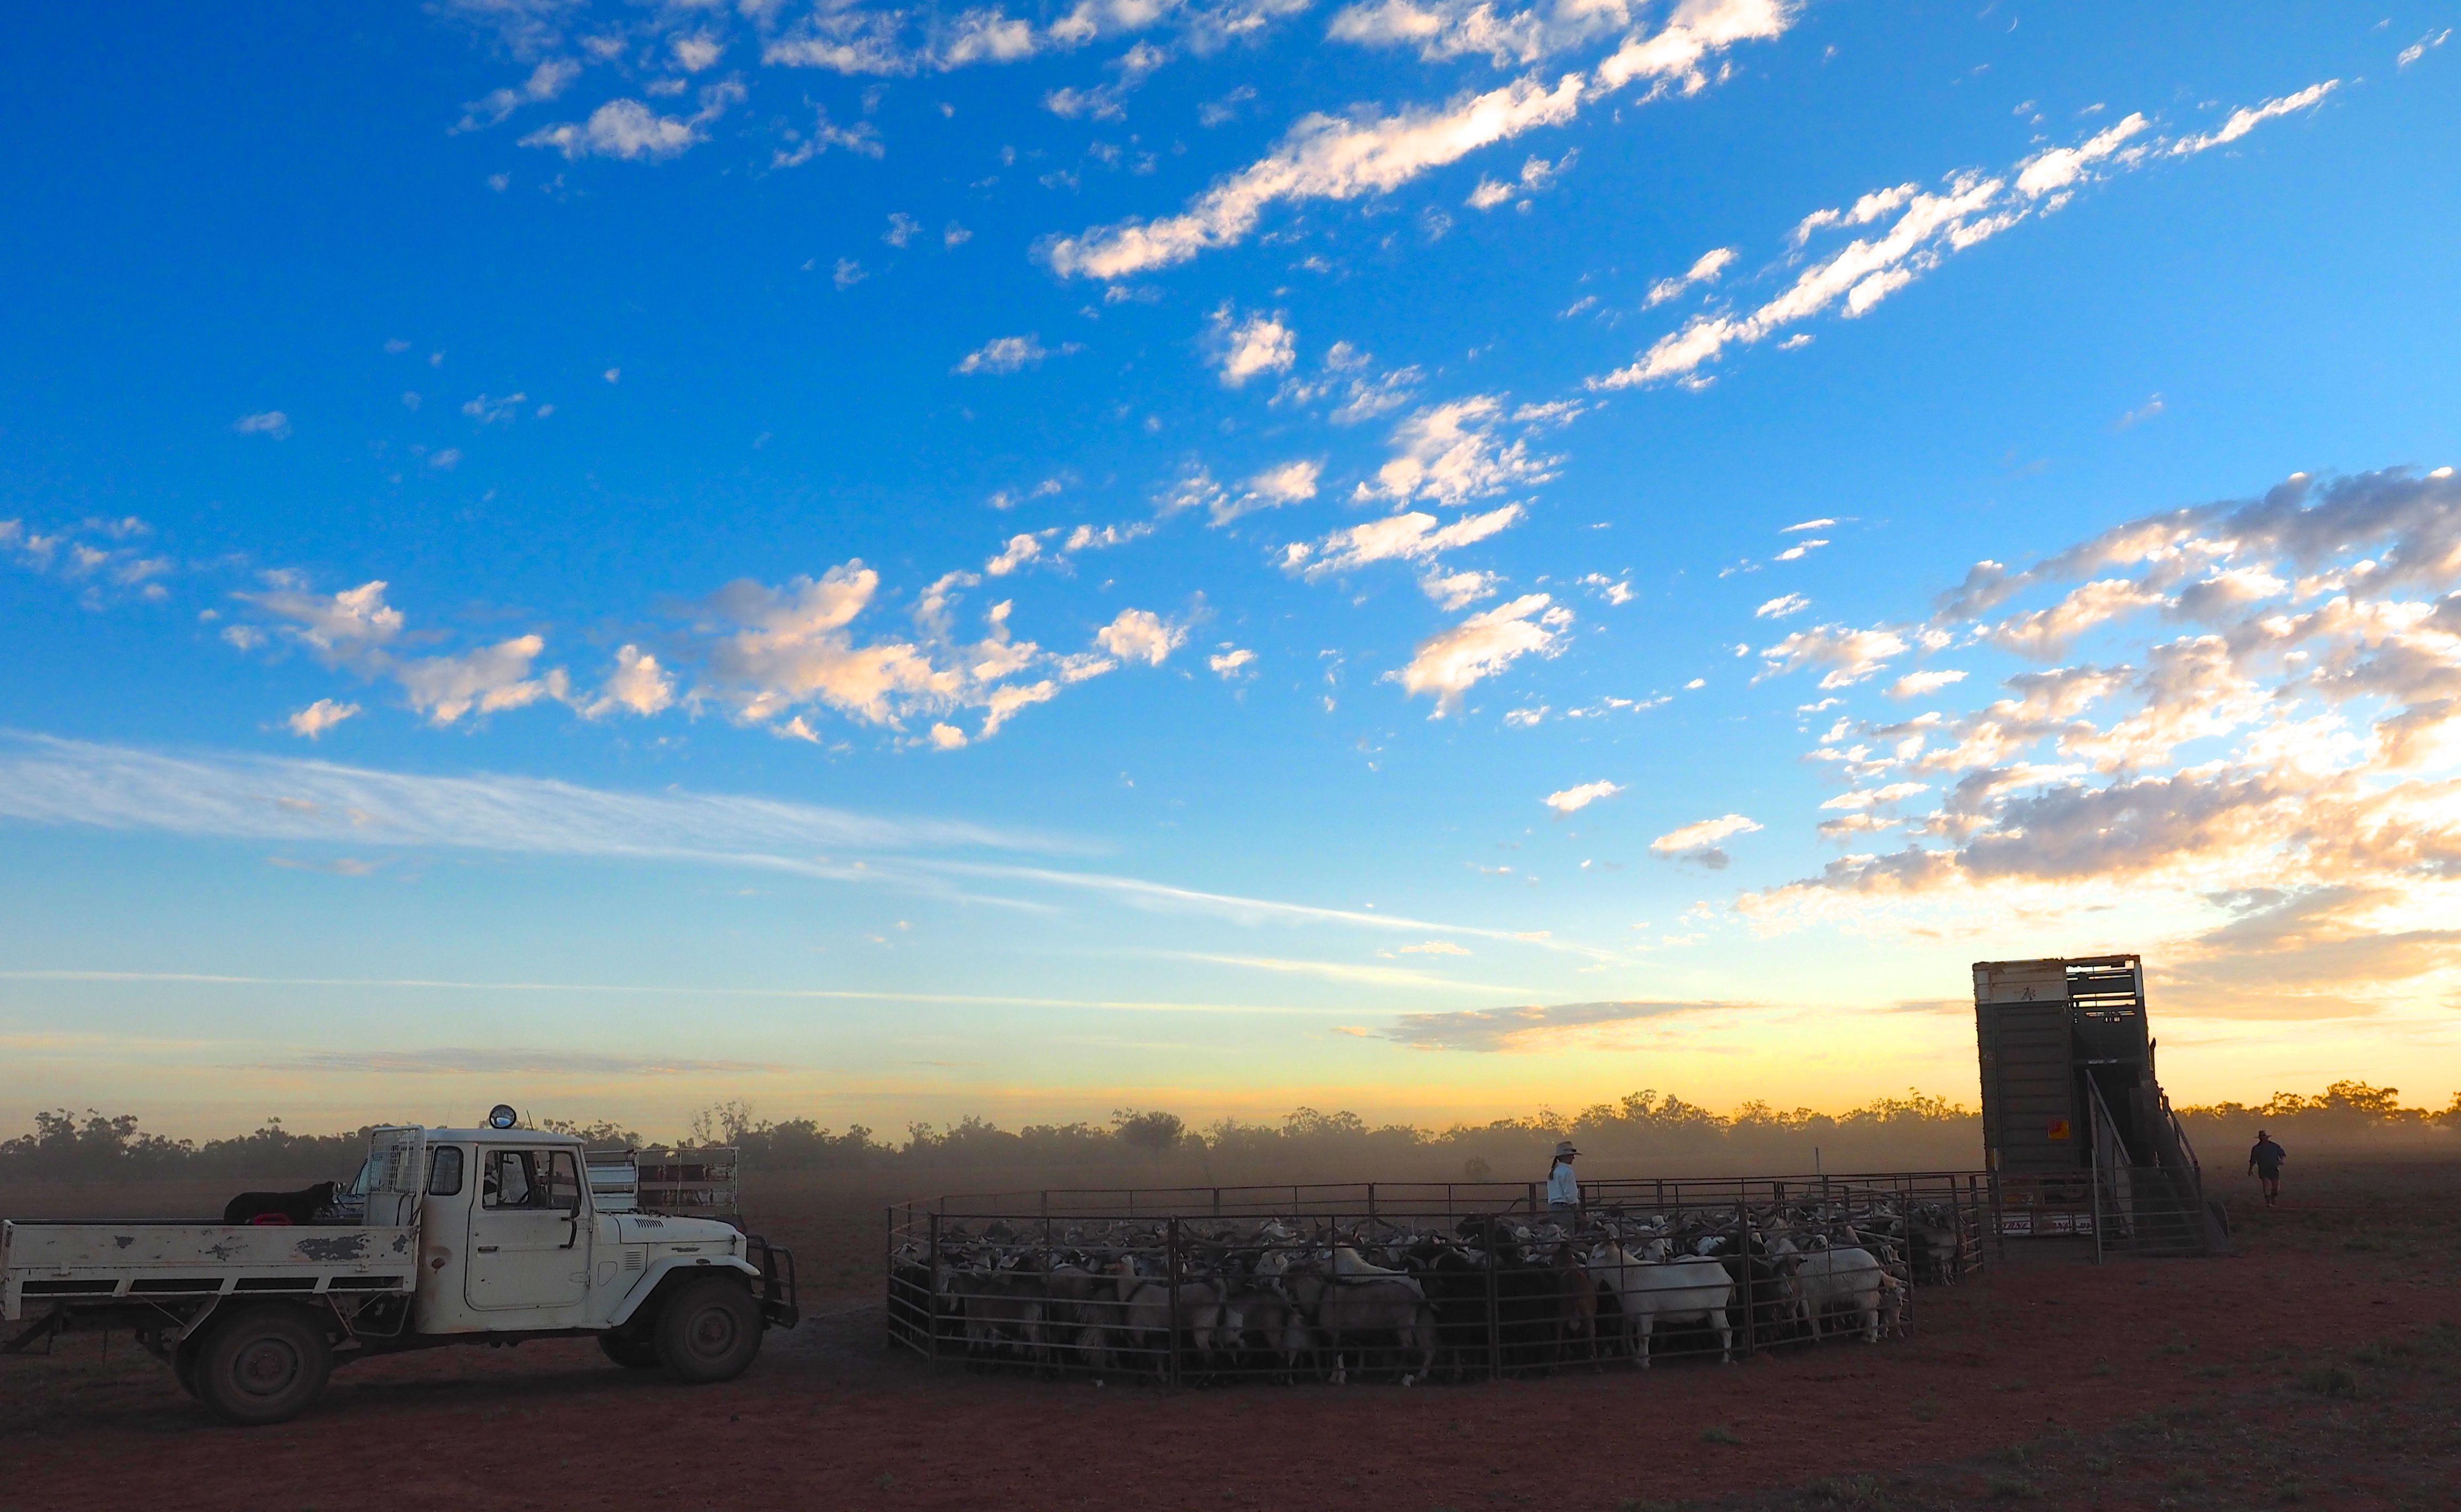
x,y
1418,1282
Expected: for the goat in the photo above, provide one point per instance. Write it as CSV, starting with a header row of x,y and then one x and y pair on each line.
x,y
1349,1267
299,1207
1001,1307
1576,1316
1344,1310
1844,1277
1677,1290
1149,1321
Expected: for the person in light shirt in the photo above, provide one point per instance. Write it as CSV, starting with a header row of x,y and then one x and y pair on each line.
x,y
1563,1188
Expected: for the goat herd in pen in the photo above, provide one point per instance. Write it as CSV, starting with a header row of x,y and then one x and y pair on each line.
x,y
1308,1291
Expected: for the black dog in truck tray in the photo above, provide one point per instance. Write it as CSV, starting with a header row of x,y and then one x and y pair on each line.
x,y
302,1206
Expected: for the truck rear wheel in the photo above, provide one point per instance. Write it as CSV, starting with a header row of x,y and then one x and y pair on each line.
x,y
264,1366
630,1349
709,1331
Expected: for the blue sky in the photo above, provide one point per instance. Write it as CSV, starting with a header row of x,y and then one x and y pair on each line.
x,y
1414,556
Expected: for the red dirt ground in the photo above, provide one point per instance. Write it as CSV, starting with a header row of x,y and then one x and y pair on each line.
x,y
828,1419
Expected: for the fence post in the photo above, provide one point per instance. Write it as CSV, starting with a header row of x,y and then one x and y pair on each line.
x,y
1173,1254
932,1304
1744,1219
1494,1309
1370,1202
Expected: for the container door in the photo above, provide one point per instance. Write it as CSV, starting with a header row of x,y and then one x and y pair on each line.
x,y
396,1176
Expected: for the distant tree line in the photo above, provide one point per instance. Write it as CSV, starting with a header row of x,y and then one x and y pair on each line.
x,y
1915,1130
2343,1110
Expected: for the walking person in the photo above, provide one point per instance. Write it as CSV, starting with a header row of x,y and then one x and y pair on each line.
x,y
2264,1163
1563,1188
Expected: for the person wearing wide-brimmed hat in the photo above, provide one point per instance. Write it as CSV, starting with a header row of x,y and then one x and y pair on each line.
x,y
1563,1188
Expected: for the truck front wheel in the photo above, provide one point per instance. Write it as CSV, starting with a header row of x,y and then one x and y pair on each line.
x,y
709,1331
264,1366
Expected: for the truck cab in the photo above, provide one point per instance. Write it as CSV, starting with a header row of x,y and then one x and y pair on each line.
x,y
511,1238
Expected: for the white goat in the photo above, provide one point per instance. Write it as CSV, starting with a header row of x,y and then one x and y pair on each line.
x,y
1677,1290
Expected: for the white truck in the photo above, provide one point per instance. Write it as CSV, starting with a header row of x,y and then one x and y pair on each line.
x,y
449,1236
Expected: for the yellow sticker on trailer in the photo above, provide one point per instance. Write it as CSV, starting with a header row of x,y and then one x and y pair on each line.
x,y
2059,1130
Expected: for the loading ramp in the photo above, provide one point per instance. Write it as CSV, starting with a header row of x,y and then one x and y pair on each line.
x,y
2080,1139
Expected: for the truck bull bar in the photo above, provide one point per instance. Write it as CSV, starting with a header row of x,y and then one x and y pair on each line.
x,y
777,1289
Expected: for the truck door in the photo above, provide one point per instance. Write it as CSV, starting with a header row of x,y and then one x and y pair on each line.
x,y
529,1234
392,1179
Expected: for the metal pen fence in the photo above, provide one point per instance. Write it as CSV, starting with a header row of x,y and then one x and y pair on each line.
x,y
1416,1281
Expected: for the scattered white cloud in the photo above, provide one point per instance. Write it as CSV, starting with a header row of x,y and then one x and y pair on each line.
x,y
338,622
2247,118
1849,654
637,686
487,680
1572,799
1926,227
1453,453
1706,270
1447,665
1236,662
487,410
1922,685
1243,347
802,147
1010,354
312,721
1339,158
2141,414
1291,482
546,82
1784,605
1458,590
902,228
1021,548
2261,763
2422,47
1140,635
1410,537
632,132
271,422
1538,175
1701,841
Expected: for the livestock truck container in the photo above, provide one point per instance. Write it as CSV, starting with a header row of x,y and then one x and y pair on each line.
x,y
448,1236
